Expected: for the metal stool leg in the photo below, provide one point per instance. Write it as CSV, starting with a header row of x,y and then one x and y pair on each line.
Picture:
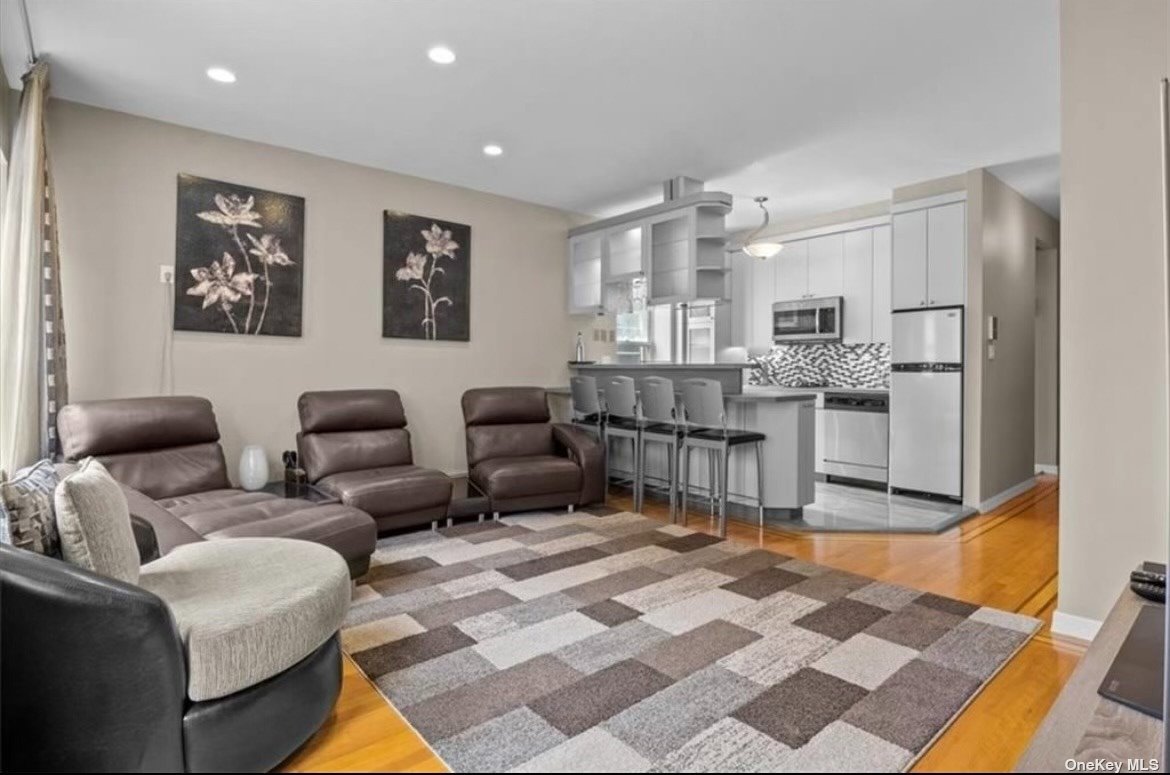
x,y
723,493
638,484
760,480
712,487
686,479
605,462
671,474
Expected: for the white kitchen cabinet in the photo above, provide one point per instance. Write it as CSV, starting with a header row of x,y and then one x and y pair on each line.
x,y
908,290
585,274
858,288
825,265
946,255
763,294
930,257
881,285
625,252
791,271
678,248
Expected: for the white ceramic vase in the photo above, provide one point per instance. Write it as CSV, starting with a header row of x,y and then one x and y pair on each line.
x,y
253,467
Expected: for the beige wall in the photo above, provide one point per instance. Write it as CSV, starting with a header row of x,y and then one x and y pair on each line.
x,y
929,188
115,178
1047,356
1012,228
1113,506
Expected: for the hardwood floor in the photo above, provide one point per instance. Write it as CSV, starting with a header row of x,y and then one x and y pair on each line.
x,y
1005,559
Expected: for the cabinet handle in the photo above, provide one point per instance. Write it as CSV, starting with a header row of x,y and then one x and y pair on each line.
x,y
922,304
932,301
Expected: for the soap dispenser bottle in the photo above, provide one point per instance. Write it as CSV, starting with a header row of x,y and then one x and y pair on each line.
x,y
579,355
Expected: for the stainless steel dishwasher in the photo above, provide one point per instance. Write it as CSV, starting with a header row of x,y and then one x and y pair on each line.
x,y
857,435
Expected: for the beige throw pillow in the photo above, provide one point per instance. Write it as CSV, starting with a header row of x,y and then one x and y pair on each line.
x,y
94,523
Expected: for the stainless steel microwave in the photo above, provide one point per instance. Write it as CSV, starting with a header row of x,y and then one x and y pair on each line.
x,y
808,320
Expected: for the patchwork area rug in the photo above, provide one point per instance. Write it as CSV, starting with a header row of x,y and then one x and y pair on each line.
x,y
577,642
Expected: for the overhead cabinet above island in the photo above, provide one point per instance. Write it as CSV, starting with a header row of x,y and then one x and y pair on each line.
x,y
677,247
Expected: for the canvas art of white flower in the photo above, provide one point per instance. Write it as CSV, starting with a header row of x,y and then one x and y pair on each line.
x,y
250,260
424,273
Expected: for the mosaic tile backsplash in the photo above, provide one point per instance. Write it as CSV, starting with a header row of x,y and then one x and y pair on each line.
x,y
817,365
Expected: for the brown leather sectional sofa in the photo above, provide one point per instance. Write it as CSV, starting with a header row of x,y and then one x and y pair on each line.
x,y
166,453
354,445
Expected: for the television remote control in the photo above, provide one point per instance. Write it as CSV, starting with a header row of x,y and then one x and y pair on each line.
x,y
1151,592
1148,577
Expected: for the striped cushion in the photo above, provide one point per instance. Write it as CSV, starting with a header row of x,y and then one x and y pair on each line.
x,y
26,510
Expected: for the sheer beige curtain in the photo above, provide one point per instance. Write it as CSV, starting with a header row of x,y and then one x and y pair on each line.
x,y
30,332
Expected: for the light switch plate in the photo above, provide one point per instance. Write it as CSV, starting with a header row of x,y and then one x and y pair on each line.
x,y
166,274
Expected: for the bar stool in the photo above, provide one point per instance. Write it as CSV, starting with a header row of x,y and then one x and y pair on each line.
x,y
660,425
621,422
706,428
587,411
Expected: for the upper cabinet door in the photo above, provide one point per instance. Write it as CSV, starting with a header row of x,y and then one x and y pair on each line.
x,y
858,286
585,274
626,251
791,271
763,286
825,265
908,289
946,240
881,285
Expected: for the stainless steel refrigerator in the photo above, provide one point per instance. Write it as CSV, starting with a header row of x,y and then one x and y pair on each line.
x,y
926,402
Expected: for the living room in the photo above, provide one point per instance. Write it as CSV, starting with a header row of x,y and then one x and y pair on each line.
x,y
359,419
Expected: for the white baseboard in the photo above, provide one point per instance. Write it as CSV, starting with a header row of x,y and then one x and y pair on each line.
x,y
1072,626
1044,468
997,500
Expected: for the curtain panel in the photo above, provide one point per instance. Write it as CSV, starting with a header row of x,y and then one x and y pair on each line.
x,y
32,378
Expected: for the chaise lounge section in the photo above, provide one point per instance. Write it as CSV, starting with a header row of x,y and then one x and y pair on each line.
x,y
165,451
355,446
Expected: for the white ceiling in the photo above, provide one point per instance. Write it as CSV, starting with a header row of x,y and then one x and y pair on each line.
x,y
819,104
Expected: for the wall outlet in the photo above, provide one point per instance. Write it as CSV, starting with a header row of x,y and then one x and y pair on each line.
x,y
166,274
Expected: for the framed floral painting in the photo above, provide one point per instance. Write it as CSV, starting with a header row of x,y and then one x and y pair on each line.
x,y
426,278
239,259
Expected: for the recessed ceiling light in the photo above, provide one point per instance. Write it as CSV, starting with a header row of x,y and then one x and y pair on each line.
x,y
491,149
441,55
221,74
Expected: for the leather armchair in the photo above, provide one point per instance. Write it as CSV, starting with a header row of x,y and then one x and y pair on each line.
x,y
524,462
94,680
355,446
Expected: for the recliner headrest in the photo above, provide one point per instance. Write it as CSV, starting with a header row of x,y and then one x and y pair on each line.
x,y
505,405
329,411
123,425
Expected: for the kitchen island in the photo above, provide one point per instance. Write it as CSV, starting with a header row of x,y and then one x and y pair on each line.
x,y
786,417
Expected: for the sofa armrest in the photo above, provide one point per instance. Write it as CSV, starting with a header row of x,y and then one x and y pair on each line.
x,y
145,539
169,531
588,452
94,673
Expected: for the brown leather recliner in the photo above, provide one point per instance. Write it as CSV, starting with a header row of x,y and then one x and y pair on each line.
x,y
166,453
354,445
524,462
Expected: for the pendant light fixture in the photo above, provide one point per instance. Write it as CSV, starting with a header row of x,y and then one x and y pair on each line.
x,y
762,249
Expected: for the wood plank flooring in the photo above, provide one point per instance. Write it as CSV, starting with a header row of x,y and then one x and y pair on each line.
x,y
1005,559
